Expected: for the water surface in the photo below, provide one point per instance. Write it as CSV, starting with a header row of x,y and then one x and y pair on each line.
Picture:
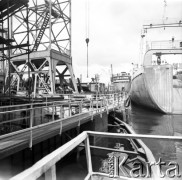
x,y
145,121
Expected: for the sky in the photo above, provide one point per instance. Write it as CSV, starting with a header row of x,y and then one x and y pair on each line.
x,y
114,33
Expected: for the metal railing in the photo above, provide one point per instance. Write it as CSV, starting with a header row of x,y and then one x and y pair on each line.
x,y
27,117
47,164
164,44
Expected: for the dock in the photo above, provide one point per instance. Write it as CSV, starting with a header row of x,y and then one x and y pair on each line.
x,y
41,121
47,164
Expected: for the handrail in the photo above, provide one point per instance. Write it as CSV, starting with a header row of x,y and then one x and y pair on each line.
x,y
27,123
47,164
100,106
135,136
50,104
35,127
164,44
50,160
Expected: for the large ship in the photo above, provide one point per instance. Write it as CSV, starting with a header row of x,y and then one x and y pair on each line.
x,y
157,82
121,82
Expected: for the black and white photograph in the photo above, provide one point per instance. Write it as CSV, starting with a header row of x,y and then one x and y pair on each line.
x,y
90,89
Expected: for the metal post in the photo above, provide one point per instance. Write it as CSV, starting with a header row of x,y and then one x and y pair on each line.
x,y
70,33
9,83
28,39
107,109
101,108
92,111
42,115
113,102
62,111
61,116
124,115
90,104
50,24
61,127
53,112
69,108
50,174
61,107
31,125
97,102
88,155
81,106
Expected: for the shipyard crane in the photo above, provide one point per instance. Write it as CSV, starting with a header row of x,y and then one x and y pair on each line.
x,y
40,41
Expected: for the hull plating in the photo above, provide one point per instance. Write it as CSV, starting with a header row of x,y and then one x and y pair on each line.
x,y
153,87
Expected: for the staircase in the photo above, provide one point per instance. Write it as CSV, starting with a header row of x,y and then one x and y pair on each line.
x,y
41,32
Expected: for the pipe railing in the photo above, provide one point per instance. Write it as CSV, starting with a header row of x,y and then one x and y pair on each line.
x,y
47,165
30,115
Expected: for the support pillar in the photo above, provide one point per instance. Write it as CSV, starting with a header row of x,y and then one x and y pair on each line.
x,y
72,76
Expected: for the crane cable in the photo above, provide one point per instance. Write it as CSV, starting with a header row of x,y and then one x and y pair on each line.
x,y
87,27
164,12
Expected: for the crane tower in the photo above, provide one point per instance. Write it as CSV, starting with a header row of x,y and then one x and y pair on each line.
x,y
38,45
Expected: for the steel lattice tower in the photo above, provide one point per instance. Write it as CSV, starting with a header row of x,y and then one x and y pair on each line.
x,y
45,26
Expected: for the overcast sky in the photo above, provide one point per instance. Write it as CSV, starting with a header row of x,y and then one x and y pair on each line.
x,y
114,32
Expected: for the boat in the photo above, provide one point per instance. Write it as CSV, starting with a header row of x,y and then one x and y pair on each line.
x,y
121,82
157,82
126,153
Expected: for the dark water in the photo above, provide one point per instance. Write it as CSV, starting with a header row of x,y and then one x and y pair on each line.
x,y
143,122
153,123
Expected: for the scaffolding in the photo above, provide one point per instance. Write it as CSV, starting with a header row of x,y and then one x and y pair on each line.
x,y
37,52
7,10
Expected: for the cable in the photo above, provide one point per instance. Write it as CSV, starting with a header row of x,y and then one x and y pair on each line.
x,y
164,12
87,28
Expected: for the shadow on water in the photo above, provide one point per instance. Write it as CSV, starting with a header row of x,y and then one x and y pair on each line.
x,y
145,121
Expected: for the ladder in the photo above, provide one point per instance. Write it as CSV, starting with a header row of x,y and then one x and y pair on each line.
x,y
24,67
41,32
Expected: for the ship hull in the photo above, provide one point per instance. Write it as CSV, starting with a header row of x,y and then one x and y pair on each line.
x,y
153,87
121,86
